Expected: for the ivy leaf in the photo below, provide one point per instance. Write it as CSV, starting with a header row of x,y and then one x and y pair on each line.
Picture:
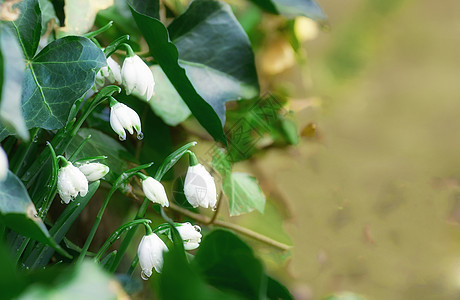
x,y
12,70
166,54
28,26
54,79
216,53
244,193
48,13
18,212
293,8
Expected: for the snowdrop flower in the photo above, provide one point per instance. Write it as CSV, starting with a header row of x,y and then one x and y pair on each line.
x,y
154,191
190,235
94,171
71,181
112,71
150,253
137,77
3,165
123,117
199,186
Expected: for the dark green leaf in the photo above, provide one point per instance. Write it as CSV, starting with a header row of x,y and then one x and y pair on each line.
x,y
11,281
293,8
227,263
12,68
149,8
244,193
277,291
28,26
216,53
166,54
221,162
18,212
102,144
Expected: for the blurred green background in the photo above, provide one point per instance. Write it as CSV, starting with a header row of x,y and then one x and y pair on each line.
x,y
374,199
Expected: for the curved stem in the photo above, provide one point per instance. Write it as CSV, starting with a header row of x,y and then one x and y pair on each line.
x,y
116,234
234,227
216,213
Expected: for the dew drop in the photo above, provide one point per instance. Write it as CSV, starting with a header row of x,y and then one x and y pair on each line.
x,y
144,276
121,138
140,136
197,228
214,208
62,201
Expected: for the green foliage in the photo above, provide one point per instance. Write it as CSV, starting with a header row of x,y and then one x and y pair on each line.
x,y
18,212
166,55
244,193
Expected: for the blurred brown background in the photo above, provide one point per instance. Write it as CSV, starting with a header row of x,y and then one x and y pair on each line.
x,y
375,192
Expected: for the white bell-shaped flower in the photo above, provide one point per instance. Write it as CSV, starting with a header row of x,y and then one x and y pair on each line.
x,y
71,181
190,235
123,117
150,253
137,77
94,171
112,71
199,187
3,164
155,191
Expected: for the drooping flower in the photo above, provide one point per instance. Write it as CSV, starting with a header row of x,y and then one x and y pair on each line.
x,y
190,235
155,191
123,117
94,171
112,71
199,186
137,77
150,253
3,165
71,181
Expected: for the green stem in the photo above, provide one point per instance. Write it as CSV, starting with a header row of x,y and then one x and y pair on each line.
x,y
99,31
116,234
193,160
129,50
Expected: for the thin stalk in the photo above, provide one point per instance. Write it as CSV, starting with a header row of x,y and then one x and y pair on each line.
x,y
116,234
22,153
90,237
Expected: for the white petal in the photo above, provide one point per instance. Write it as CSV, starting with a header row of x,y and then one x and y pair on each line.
x,y
155,191
199,187
150,253
114,69
128,74
94,171
115,123
3,164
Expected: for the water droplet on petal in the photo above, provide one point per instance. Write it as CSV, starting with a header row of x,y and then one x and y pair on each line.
x,y
214,208
140,135
144,276
121,138
197,228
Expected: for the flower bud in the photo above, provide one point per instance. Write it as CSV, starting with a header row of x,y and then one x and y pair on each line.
x,y
155,191
71,181
150,253
190,235
137,77
199,187
123,117
3,165
94,171
112,71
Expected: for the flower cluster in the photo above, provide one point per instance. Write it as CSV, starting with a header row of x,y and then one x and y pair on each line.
x,y
74,180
